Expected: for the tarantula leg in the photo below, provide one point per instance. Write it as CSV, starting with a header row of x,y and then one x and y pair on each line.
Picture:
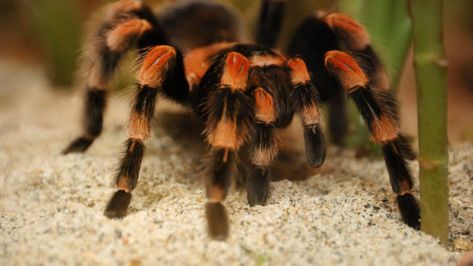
x,y
305,99
379,110
228,112
264,149
312,39
217,189
155,70
270,21
354,37
122,28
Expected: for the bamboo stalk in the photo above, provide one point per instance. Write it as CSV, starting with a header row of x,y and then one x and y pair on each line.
x,y
430,66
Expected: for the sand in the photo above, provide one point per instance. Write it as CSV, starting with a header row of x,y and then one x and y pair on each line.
x,y
51,206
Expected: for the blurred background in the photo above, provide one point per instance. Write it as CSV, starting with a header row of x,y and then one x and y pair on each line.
x,y
47,35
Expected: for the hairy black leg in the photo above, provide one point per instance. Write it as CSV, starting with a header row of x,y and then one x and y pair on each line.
x,y
223,169
158,69
264,148
228,115
338,117
305,100
127,23
270,21
320,33
311,40
379,110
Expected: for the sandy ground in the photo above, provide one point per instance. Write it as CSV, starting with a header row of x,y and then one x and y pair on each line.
x,y
51,206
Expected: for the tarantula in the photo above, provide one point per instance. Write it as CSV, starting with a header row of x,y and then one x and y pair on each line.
x,y
192,53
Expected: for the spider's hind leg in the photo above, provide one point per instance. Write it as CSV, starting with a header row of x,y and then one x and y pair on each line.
x,y
379,110
127,23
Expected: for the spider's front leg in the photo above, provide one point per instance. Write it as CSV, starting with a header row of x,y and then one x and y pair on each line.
x,y
379,110
161,72
264,148
305,100
228,115
127,23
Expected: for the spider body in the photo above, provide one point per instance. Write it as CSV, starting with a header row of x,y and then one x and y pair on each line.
x,y
242,92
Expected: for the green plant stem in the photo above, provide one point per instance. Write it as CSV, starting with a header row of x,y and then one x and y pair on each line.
x,y
58,27
430,66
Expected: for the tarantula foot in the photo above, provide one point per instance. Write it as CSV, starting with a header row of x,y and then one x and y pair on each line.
x,y
217,220
315,146
118,205
257,186
410,210
81,144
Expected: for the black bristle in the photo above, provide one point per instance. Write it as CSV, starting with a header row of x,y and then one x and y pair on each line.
x,y
118,205
131,162
217,220
399,172
404,148
257,185
270,21
80,144
410,210
265,137
233,105
366,104
223,168
145,102
175,86
338,117
315,148
191,24
94,109
304,95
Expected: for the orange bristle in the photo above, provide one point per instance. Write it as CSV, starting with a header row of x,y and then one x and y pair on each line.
x,y
235,72
345,67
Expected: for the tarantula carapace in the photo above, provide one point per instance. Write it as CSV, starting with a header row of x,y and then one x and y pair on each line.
x,y
192,53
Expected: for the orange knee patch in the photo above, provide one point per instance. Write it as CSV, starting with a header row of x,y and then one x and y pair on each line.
x,y
264,157
122,36
139,126
224,135
197,60
215,193
124,183
264,106
347,70
155,65
299,72
359,38
383,130
310,115
235,71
